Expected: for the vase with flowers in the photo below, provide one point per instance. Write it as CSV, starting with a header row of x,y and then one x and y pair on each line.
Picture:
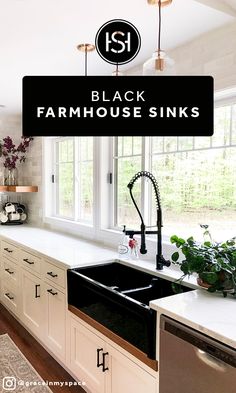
x,y
12,155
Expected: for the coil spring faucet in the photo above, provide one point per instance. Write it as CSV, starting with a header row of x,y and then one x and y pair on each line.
x,y
160,260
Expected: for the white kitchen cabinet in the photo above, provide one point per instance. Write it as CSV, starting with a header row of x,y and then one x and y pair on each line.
x,y
86,350
10,282
10,271
102,366
10,296
55,321
9,250
125,376
32,303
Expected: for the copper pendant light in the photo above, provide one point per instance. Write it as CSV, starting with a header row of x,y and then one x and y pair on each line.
x,y
86,48
160,63
163,2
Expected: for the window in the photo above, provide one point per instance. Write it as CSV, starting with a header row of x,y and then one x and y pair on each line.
x,y
127,161
196,176
73,179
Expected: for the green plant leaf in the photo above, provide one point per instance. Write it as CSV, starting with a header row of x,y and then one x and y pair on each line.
x,y
176,287
185,268
191,241
207,244
209,277
175,256
174,239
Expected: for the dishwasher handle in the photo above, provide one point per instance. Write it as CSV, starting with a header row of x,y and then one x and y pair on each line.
x,y
211,360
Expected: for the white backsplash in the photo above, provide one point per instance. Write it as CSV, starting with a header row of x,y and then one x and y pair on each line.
x,y
29,173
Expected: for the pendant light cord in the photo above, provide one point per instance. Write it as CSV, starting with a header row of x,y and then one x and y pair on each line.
x,y
86,61
159,27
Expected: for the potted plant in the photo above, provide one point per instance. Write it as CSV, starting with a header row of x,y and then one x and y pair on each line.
x,y
13,154
214,263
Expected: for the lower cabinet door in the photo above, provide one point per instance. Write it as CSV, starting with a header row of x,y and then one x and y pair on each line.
x,y
32,303
86,353
10,296
55,320
125,376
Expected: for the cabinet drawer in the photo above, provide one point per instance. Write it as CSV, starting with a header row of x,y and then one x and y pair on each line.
x,y
54,274
9,250
10,271
30,261
9,296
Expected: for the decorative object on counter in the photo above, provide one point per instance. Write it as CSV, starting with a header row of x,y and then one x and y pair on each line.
x,y
12,155
123,247
133,249
214,263
128,247
160,260
13,213
206,234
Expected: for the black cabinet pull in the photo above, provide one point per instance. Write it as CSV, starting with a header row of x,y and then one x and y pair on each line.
x,y
51,274
51,291
36,290
9,297
7,249
104,368
27,261
98,357
8,271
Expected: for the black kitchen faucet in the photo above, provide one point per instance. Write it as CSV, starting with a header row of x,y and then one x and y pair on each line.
x,y
160,260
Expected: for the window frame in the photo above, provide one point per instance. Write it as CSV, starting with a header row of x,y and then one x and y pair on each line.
x,y
68,224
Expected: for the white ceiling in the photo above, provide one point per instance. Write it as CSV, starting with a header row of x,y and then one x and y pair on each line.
x,y
39,37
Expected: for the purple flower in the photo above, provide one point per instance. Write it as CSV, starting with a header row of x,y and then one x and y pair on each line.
x,y
11,153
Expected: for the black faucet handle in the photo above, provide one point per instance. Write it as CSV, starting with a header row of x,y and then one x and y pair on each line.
x,y
161,262
124,228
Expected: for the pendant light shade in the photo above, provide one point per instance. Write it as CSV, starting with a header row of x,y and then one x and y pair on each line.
x,y
159,63
117,73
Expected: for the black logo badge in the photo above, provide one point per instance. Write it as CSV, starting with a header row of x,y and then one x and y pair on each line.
x,y
118,41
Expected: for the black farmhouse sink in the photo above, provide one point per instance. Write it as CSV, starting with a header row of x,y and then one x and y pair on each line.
x,y
117,296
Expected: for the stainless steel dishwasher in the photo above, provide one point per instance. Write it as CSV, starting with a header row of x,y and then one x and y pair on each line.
x,y
191,362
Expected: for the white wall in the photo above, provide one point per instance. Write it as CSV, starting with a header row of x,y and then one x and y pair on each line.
x,y
213,54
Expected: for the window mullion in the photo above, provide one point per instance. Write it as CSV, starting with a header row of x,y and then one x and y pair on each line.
x,y
145,193
115,181
76,180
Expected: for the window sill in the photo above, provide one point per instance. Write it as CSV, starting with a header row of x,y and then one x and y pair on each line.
x,y
70,227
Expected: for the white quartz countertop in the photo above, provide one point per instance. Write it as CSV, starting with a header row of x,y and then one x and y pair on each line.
x,y
211,314
68,250
74,252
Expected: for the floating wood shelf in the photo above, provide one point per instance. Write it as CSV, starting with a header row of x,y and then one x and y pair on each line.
x,y
3,188
18,188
